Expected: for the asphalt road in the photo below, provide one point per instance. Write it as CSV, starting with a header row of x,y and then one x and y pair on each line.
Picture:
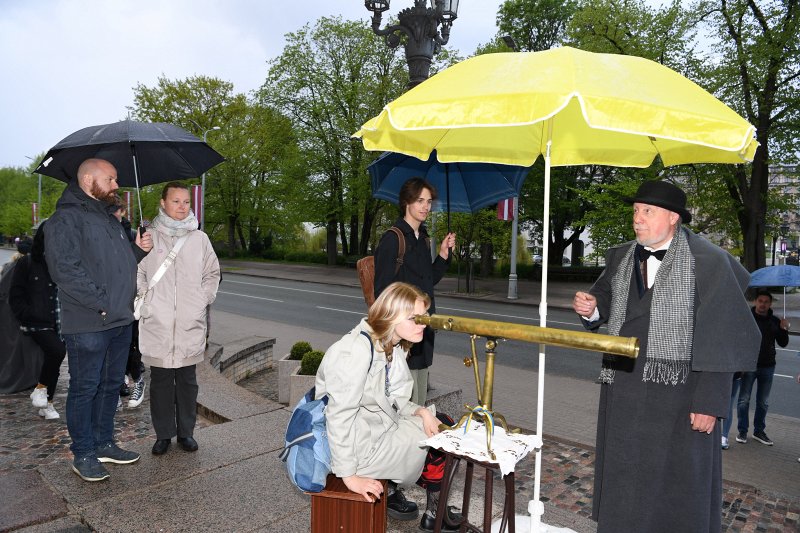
x,y
335,309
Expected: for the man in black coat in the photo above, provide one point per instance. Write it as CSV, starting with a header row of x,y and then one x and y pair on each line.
x,y
773,330
416,200
94,265
658,466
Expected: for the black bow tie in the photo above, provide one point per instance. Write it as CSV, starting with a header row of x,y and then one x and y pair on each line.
x,y
644,254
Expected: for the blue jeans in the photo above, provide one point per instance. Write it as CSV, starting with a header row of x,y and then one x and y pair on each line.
x,y
96,370
728,422
763,377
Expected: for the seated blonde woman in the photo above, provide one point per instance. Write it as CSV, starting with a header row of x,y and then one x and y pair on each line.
x,y
374,430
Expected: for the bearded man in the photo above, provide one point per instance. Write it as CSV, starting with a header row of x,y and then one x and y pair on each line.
x,y
94,264
659,466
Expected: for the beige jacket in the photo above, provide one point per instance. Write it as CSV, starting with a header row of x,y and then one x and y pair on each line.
x,y
172,330
370,434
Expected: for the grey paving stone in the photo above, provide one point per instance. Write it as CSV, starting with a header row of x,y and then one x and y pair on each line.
x,y
245,496
220,445
27,499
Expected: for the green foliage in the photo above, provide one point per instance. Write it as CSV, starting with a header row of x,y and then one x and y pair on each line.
x,y
535,25
18,191
299,349
329,80
254,195
310,363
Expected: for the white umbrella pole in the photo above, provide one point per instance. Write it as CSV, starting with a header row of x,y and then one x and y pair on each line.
x,y
536,507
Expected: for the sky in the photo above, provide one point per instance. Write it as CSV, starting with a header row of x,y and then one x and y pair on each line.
x,y
69,64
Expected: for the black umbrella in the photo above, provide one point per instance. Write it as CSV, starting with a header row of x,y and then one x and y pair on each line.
x,y
143,153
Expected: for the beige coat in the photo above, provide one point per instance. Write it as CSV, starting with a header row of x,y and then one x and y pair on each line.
x,y
370,434
172,330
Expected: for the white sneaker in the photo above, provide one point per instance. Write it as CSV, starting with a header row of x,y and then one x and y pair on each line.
x,y
49,412
137,393
39,397
725,444
119,403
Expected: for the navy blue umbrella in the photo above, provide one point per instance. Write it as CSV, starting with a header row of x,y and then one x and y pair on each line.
x,y
777,276
462,187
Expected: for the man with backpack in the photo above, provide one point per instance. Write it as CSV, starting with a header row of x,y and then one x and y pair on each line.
x,y
415,267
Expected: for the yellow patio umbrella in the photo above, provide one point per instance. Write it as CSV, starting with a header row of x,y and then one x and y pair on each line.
x,y
570,106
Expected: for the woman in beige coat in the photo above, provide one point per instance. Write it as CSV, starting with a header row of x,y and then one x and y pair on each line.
x,y
374,430
172,327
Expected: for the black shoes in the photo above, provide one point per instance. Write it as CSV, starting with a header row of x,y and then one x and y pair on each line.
x,y
399,508
161,446
188,444
451,522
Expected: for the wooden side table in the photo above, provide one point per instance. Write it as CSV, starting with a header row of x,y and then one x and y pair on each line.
x,y
508,505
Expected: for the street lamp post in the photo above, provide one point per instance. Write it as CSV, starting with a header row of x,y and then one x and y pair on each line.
x,y
203,187
420,25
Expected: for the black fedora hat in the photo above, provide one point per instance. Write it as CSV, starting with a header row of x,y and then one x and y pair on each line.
x,y
662,194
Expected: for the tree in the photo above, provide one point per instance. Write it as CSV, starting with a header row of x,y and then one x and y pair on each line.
x,y
329,80
259,189
755,68
535,25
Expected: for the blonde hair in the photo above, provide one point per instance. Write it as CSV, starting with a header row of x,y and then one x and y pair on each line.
x,y
395,304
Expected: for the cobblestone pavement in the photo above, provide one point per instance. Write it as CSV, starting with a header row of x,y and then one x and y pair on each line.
x,y
27,441
567,482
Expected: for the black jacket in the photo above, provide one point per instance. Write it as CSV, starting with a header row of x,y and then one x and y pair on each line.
x,y
771,332
93,263
32,295
417,269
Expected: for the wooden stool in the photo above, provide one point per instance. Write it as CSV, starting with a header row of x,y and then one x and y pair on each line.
x,y
508,505
338,510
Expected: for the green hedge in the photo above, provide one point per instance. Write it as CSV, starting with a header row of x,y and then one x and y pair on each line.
x,y
310,363
299,349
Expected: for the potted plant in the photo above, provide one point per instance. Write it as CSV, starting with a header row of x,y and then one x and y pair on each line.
x,y
304,377
288,364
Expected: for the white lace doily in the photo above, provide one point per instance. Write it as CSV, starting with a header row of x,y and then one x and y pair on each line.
x,y
509,448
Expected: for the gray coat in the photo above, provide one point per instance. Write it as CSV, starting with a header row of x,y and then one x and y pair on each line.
x,y
370,434
653,472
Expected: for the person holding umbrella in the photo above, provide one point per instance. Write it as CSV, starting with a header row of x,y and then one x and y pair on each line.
x,y
94,266
179,281
773,330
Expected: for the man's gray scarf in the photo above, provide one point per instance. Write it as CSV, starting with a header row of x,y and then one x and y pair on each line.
x,y
669,337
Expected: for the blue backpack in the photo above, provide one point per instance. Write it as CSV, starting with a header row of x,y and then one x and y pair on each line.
x,y
306,451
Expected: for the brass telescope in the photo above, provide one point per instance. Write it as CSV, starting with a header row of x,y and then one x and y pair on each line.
x,y
493,330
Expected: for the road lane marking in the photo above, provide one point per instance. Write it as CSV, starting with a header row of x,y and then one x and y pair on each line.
x,y
536,319
342,310
292,289
248,296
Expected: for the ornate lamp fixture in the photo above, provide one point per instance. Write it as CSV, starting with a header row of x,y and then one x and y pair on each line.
x,y
420,25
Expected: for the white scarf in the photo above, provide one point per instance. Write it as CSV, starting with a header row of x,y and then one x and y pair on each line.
x,y
167,225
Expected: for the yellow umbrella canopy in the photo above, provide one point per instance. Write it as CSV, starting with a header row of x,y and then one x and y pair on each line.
x,y
606,109
572,107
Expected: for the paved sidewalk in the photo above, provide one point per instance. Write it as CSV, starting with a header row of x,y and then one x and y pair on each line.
x,y
236,483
